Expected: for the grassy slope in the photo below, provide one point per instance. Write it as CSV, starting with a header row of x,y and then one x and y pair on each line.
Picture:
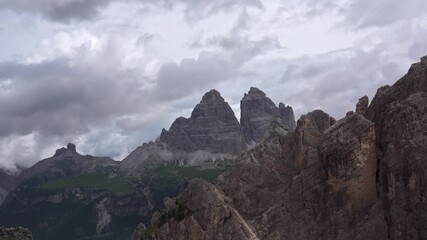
x,y
117,185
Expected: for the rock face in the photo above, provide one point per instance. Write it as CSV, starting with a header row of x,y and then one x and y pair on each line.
x,y
363,177
287,115
400,116
203,212
15,233
257,113
212,127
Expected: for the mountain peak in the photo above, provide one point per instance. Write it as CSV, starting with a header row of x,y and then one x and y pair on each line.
x,y
212,96
254,93
70,150
258,112
211,127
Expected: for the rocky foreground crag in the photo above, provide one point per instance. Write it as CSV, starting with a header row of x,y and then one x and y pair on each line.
x,y
15,233
362,177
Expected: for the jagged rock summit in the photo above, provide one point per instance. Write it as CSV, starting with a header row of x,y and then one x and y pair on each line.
x,y
69,151
257,113
212,127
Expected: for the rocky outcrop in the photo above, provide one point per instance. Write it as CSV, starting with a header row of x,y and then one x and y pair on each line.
x,y
212,127
203,212
363,177
258,112
362,105
287,115
15,233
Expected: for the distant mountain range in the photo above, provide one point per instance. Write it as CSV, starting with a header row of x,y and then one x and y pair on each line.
x,y
266,176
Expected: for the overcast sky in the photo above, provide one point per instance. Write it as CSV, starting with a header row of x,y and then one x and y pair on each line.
x,y
108,75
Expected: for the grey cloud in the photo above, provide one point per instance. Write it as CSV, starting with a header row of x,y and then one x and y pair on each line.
x,y
57,10
56,97
144,39
178,80
59,101
359,14
68,99
242,22
334,81
365,13
66,11
418,47
210,68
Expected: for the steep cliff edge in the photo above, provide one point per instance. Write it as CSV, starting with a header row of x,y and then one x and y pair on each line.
x,y
400,116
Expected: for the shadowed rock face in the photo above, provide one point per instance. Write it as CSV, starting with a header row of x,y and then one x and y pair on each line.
x,y
363,177
257,113
212,127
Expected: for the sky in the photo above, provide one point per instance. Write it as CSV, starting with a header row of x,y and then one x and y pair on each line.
x,y
108,75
